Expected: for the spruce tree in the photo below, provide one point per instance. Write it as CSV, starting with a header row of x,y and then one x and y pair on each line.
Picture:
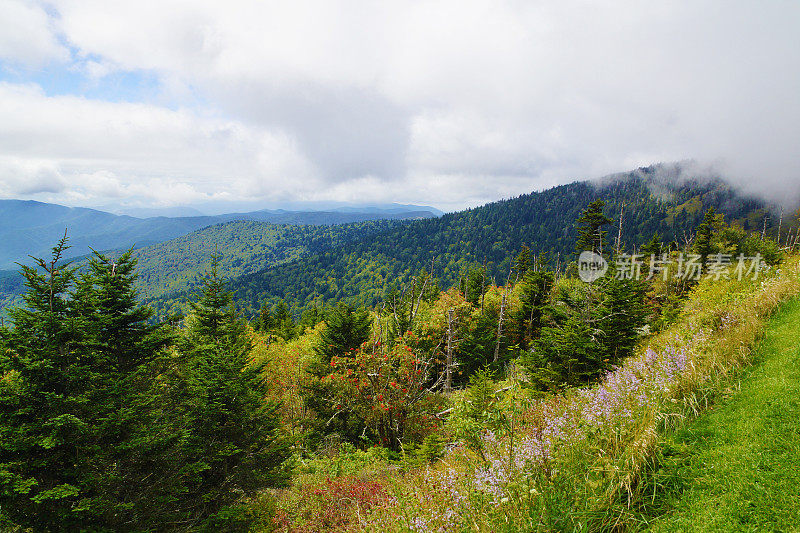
x,y
534,299
234,441
78,355
523,262
47,425
704,244
569,355
346,329
620,316
591,235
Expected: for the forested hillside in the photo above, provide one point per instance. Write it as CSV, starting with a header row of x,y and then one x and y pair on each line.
x,y
651,200
544,393
30,228
244,246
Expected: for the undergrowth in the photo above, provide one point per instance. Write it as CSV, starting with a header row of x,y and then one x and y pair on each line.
x,y
576,461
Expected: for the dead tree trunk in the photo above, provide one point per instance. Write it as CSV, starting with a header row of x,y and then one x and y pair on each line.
x,y
483,285
500,322
448,369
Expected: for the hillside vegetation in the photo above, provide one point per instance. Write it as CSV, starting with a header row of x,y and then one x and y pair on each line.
x,y
735,467
245,247
531,402
362,272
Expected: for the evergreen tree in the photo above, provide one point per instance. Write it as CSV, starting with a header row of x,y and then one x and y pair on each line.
x,y
78,353
652,250
654,247
233,442
569,355
523,262
346,329
283,320
476,350
704,239
310,317
591,236
620,316
48,428
474,285
534,298
265,321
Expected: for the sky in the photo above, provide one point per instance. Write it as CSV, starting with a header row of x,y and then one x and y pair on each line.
x,y
443,103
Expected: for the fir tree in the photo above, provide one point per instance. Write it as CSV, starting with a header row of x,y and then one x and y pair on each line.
x,y
704,239
79,353
523,262
569,355
346,328
620,316
534,298
234,444
591,236
47,425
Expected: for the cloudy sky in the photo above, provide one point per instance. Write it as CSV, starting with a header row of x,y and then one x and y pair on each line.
x,y
444,103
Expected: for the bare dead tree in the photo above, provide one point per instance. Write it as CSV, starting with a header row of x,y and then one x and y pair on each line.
x,y
448,368
500,319
483,285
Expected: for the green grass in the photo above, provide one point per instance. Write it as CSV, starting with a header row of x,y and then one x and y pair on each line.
x,y
737,467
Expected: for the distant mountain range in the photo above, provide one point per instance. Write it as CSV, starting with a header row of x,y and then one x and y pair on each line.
x,y
32,228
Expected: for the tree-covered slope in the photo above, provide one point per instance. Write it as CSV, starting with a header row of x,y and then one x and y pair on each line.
x,y
244,246
31,228
653,202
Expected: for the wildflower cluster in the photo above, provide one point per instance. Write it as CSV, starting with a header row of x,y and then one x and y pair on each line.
x,y
616,403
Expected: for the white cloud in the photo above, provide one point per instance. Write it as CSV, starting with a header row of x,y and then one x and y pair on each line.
x,y
107,150
448,102
27,36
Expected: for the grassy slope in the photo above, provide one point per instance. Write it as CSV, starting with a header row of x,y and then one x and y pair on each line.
x,y
736,467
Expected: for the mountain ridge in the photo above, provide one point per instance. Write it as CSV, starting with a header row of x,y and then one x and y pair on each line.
x,y
29,227
363,271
